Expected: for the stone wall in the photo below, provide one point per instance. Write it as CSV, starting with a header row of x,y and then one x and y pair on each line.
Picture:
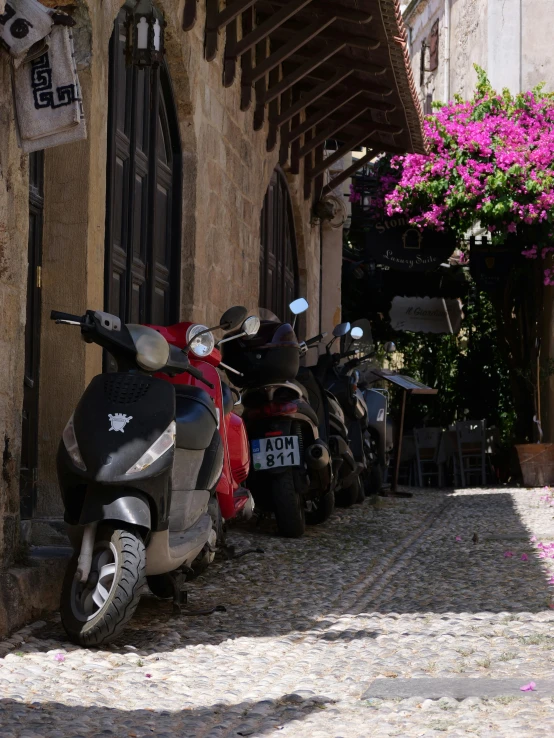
x,y
14,206
226,170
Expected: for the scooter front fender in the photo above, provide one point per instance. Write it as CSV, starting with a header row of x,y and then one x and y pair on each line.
x,y
109,504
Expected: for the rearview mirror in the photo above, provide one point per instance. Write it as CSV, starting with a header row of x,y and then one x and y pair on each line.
x,y
233,317
341,329
251,325
356,333
390,347
298,306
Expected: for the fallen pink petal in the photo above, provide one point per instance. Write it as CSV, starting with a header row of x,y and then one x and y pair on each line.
x,y
59,657
533,539
524,557
508,554
148,676
458,538
528,687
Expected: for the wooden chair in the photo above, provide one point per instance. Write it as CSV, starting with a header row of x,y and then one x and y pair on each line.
x,y
472,436
427,441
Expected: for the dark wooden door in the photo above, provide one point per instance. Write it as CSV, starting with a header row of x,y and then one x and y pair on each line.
x,y
143,192
278,262
29,429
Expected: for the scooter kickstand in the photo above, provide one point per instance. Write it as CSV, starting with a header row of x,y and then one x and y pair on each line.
x,y
179,594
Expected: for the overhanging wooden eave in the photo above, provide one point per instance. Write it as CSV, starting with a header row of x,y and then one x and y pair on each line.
x,y
314,68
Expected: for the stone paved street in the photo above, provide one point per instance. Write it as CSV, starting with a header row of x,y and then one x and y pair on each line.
x,y
395,592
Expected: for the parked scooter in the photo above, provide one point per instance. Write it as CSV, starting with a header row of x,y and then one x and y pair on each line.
x,y
138,464
235,501
291,474
344,408
379,431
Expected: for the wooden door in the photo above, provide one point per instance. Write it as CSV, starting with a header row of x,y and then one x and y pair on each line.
x,y
278,262
29,429
143,192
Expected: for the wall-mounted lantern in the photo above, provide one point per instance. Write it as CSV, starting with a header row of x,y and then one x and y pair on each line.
x,y
145,35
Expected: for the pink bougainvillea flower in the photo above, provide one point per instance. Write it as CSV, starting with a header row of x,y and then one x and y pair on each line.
x,y
529,687
508,554
148,676
524,557
59,657
458,538
533,539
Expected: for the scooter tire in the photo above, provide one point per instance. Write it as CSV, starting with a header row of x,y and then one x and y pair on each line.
x,y
323,511
288,505
350,495
91,629
374,485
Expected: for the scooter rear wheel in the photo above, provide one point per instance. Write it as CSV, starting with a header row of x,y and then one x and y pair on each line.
x,y
288,505
97,611
322,509
350,495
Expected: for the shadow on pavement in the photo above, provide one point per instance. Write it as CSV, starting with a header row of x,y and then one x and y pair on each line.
x,y
304,586
246,718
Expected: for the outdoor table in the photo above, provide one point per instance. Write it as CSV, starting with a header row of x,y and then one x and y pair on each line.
x,y
409,386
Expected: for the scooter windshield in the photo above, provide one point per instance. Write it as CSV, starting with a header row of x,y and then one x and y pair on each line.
x,y
151,347
265,314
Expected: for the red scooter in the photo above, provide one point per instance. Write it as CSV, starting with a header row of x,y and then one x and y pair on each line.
x,y
234,500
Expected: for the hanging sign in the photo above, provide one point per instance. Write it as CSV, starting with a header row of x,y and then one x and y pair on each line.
x,y
426,314
393,242
491,266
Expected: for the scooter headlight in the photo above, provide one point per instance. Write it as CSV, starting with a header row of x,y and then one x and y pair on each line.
x,y
162,444
201,345
71,445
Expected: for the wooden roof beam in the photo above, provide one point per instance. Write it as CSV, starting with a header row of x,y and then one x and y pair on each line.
x,y
357,65
269,25
350,145
356,42
329,131
302,71
285,51
325,70
323,113
312,96
342,12
348,172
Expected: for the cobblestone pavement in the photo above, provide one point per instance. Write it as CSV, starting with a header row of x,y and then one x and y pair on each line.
x,y
417,588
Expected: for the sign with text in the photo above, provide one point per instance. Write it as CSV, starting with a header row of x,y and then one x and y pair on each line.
x,y
393,242
426,314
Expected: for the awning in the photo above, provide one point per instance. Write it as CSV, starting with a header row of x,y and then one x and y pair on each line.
x,y
317,70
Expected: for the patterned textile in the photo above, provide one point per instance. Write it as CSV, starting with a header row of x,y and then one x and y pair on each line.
x,y
48,96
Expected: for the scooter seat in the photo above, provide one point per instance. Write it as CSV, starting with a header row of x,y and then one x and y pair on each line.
x,y
195,416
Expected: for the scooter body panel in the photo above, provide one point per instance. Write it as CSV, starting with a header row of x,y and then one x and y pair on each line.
x,y
377,420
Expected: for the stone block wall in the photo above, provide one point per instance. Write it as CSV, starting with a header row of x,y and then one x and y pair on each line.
x,y
226,171
14,205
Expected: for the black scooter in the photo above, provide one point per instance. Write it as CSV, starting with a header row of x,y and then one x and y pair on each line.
x,y
291,473
335,396
137,465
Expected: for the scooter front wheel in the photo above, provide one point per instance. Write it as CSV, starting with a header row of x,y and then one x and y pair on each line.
x,y
96,612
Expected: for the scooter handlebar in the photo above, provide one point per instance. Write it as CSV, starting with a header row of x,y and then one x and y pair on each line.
x,y
197,374
57,315
315,339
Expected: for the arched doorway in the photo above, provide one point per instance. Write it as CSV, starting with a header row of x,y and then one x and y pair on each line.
x,y
143,191
278,259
